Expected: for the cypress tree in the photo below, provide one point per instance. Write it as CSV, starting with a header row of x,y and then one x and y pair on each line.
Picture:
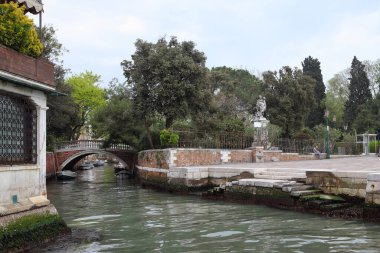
x,y
359,92
312,67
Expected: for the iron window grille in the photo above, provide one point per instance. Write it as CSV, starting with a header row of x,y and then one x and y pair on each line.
x,y
18,130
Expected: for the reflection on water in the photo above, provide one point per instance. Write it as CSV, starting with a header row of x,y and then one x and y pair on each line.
x,y
132,219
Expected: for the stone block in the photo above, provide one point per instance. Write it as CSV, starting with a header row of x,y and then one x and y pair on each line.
x,y
39,201
374,177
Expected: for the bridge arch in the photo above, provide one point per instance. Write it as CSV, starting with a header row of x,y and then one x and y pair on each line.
x,y
76,157
67,154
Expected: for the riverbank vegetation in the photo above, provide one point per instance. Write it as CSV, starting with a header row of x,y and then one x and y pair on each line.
x,y
29,231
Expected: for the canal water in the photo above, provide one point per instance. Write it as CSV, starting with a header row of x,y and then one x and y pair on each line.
x,y
133,219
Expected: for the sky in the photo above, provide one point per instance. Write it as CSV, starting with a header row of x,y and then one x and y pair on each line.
x,y
257,35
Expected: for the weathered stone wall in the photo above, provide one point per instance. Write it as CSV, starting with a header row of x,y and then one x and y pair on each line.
x,y
347,183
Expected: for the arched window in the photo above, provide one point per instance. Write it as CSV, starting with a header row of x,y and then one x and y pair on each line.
x,y
18,130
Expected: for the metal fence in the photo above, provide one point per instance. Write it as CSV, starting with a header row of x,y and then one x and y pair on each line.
x,y
223,140
241,140
307,146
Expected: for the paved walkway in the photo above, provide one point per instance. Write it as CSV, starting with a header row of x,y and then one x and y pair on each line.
x,y
365,163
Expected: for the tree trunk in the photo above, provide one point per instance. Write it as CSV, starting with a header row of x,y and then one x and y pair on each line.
x,y
148,134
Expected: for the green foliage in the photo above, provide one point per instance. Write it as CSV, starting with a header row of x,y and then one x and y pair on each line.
x,y
87,96
312,67
17,30
52,48
290,97
168,79
168,139
374,146
114,121
368,120
359,92
30,230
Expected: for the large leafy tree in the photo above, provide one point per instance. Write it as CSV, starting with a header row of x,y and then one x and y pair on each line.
x,y
168,80
312,67
290,97
359,91
234,94
87,96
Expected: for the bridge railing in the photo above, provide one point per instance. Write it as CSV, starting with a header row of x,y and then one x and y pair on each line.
x,y
91,144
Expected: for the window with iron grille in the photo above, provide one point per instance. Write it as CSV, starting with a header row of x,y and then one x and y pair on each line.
x,y
18,130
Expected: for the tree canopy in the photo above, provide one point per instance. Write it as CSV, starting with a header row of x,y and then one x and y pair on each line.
x,y
359,91
168,78
312,67
87,96
290,97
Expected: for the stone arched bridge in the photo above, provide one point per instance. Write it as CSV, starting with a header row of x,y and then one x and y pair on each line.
x,y
67,154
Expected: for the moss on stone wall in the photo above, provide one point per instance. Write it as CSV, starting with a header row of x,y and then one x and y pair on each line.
x,y
31,230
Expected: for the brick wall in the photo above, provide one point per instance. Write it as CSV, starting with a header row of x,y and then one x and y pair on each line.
x,y
39,70
50,167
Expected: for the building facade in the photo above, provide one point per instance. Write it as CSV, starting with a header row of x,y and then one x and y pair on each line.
x,y
25,83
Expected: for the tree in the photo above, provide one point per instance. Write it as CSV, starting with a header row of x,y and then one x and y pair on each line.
x,y
234,94
115,121
168,80
369,118
373,73
337,95
87,96
359,92
290,97
312,67
17,30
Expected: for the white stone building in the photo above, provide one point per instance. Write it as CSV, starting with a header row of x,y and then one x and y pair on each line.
x,y
24,85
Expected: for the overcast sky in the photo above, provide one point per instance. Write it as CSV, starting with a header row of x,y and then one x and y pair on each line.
x,y
256,35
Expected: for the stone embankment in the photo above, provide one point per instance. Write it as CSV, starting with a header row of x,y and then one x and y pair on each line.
x,y
344,187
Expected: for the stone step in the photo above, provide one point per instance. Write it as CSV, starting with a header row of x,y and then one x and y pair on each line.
x,y
282,173
287,183
273,177
304,193
297,188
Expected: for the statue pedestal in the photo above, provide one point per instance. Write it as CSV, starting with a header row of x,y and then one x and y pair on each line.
x,y
258,154
260,138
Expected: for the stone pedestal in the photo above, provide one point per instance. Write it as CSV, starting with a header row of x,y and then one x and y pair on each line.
x,y
258,154
260,138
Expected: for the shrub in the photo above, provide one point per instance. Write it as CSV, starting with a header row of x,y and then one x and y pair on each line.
x,y
17,30
168,139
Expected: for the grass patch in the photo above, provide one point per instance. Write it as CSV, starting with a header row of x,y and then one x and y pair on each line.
x,y
30,230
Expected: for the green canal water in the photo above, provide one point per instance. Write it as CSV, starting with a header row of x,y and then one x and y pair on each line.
x,y
132,219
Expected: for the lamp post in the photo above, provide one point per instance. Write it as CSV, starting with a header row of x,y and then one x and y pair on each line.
x,y
333,133
327,135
